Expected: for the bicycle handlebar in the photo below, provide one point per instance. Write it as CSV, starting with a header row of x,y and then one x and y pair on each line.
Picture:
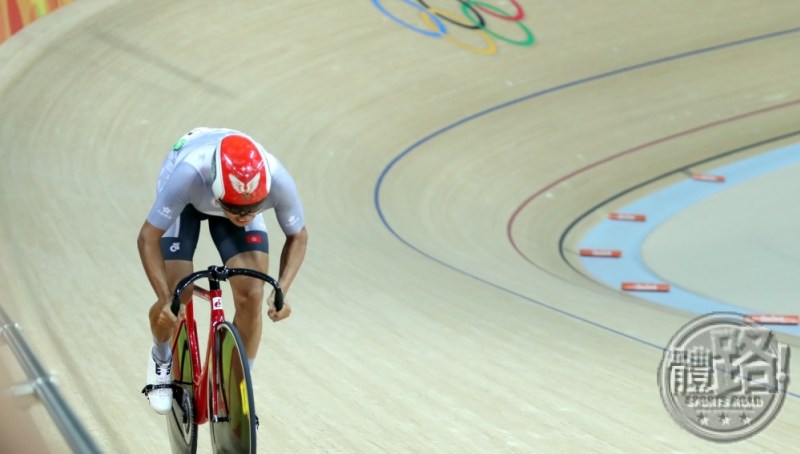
x,y
222,273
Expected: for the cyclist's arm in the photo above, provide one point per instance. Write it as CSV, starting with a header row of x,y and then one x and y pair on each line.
x,y
149,243
292,255
170,202
290,216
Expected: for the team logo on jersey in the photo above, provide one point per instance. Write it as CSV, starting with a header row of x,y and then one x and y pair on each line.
x,y
245,189
179,144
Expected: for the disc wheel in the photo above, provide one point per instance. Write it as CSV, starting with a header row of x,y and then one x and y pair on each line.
x,y
233,420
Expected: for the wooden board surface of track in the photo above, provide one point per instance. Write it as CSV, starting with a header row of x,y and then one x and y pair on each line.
x,y
434,312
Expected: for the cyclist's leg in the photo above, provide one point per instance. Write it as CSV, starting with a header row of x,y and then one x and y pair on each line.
x,y
244,247
248,298
177,247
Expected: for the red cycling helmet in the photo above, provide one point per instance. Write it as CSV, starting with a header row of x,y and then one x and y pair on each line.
x,y
240,174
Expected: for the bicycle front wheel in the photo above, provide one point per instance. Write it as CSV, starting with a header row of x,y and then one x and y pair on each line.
x,y
231,405
181,420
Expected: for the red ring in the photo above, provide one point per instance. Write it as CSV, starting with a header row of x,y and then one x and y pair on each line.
x,y
520,13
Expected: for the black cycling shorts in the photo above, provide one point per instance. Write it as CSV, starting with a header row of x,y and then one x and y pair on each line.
x,y
180,240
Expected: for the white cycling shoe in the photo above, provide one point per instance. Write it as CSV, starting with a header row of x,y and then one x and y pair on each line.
x,y
159,385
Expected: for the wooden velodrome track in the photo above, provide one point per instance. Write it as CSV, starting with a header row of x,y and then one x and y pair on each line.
x,y
434,312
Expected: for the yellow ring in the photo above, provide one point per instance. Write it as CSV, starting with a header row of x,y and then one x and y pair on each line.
x,y
491,50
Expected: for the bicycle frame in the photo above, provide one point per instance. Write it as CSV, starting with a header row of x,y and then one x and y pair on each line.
x,y
213,295
200,374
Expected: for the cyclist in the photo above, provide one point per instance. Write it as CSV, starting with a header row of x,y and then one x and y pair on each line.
x,y
225,177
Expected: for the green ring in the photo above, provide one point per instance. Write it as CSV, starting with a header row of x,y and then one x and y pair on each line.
x,y
529,40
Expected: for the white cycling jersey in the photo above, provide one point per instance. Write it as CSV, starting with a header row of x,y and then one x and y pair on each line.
x,y
185,178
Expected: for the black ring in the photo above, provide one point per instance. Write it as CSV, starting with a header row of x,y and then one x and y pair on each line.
x,y
481,22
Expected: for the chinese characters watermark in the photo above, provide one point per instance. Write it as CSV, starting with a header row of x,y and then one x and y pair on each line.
x,y
724,378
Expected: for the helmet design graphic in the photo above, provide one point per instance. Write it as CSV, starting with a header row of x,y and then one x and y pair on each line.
x,y
241,176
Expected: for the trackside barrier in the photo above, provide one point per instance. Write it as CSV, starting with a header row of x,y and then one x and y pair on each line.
x,y
40,385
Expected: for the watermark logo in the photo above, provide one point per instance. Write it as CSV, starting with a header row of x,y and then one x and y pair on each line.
x,y
723,377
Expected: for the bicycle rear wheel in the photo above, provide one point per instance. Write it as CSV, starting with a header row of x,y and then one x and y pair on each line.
x,y
181,420
233,421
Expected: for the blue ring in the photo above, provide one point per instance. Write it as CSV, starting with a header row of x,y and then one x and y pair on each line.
x,y
436,20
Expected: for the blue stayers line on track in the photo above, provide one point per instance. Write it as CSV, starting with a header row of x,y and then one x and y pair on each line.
x,y
659,207
531,96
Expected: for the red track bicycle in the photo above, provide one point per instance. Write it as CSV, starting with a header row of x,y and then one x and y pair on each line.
x,y
220,393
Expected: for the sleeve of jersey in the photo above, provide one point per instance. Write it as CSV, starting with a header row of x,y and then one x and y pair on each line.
x,y
288,208
174,196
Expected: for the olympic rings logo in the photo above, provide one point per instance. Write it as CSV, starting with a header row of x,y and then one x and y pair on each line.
x,y
473,11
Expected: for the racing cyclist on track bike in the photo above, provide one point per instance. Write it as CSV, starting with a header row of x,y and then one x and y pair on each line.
x,y
224,177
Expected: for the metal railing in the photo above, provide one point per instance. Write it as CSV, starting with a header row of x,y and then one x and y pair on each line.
x,y
40,385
